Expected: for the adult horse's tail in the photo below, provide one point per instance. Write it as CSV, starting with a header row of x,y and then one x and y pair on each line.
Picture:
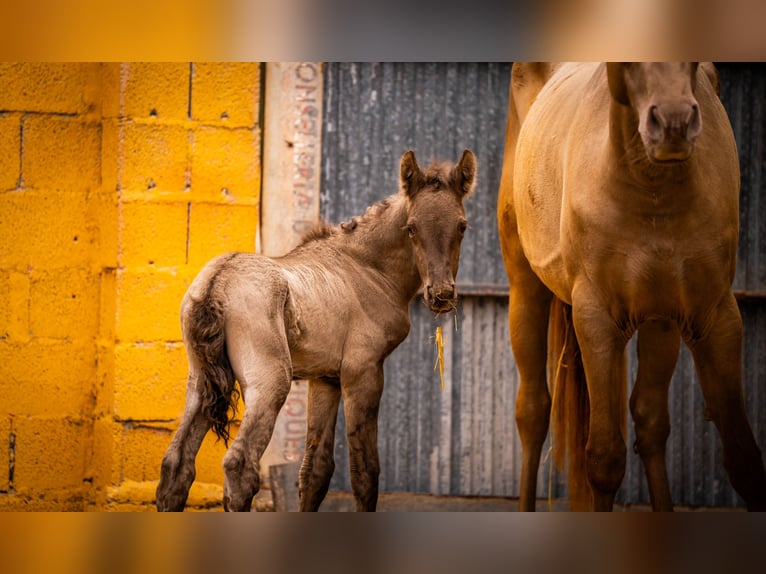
x,y
570,415
205,337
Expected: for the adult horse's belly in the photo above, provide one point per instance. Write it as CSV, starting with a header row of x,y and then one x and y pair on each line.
x,y
537,202
558,120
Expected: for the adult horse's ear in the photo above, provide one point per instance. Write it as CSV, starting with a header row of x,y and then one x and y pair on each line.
x,y
464,173
412,177
615,75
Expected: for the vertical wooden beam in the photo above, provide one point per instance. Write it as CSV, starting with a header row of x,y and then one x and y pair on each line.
x,y
292,153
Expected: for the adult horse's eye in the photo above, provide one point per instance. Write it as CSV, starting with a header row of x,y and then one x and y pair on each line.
x,y
462,226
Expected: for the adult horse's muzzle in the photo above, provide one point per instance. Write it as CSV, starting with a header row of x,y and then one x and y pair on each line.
x,y
670,131
441,298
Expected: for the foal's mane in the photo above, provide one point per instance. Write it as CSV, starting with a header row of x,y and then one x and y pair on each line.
x,y
323,230
436,176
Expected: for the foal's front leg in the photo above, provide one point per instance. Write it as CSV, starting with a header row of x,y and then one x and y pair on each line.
x,y
319,461
362,389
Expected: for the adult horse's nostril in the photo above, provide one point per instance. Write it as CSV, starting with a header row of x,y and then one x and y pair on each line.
x,y
695,124
655,122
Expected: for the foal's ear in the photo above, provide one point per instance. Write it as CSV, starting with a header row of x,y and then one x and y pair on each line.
x,y
412,177
464,173
615,75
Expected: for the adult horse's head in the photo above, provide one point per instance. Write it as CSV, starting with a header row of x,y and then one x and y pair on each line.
x,y
662,96
436,222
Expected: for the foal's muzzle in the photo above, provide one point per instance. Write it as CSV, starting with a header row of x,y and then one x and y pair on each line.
x,y
441,298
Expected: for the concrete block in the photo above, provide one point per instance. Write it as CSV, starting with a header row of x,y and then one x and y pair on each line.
x,y
150,381
14,314
60,153
153,234
226,92
156,90
149,302
46,87
48,378
64,304
49,453
225,165
154,158
45,229
10,151
218,229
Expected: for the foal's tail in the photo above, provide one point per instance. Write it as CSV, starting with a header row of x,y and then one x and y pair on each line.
x,y
205,334
570,415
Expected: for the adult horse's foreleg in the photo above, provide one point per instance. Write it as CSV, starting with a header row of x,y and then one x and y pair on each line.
x,y
318,460
718,357
602,345
178,470
261,363
362,389
658,346
529,307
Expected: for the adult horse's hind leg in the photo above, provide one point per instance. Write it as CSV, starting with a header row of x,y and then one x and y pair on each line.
x,y
718,359
529,308
658,346
319,461
178,471
261,361
362,388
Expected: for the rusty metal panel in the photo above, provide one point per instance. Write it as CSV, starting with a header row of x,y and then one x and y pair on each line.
x,y
463,440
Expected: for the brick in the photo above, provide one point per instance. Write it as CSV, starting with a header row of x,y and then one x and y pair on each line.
x,y
60,153
143,446
153,234
218,229
110,89
156,90
49,453
45,87
111,160
104,210
103,452
226,92
45,229
150,381
154,158
5,451
10,151
225,164
64,304
14,314
148,304
46,378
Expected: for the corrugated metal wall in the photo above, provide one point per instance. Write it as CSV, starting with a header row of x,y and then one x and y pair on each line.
x,y
463,440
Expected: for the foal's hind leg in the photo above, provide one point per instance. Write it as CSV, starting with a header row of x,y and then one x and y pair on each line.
x,y
658,346
718,359
319,461
178,471
261,362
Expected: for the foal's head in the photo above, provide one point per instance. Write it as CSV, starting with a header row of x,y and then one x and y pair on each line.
x,y
436,222
662,95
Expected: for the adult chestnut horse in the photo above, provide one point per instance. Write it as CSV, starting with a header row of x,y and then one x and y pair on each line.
x,y
618,211
330,311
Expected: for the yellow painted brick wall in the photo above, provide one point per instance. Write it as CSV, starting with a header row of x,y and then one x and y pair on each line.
x,y
117,183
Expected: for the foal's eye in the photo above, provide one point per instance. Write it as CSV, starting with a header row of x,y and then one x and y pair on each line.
x,y
411,229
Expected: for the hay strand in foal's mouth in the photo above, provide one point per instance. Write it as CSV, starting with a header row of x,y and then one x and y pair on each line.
x,y
440,351
440,354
